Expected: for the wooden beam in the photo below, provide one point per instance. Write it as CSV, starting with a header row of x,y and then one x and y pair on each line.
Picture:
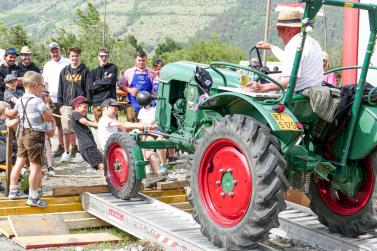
x,y
172,184
6,229
8,162
160,193
62,191
36,210
64,240
49,200
182,205
172,199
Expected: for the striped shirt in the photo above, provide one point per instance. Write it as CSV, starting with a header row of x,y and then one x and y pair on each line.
x,y
34,110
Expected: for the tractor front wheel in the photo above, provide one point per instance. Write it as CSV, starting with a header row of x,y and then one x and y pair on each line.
x,y
237,182
120,170
341,213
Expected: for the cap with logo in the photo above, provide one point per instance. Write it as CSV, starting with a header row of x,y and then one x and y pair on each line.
x,y
109,102
79,100
11,51
10,77
53,45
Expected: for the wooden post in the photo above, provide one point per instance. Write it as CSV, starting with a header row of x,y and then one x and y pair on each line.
x,y
8,163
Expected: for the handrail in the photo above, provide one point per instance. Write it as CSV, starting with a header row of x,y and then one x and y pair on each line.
x,y
213,66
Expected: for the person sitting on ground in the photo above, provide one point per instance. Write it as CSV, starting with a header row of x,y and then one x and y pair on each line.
x,y
108,123
80,124
310,72
32,114
12,93
331,77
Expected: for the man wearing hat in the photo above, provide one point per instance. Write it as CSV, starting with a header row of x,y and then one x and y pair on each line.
x,y
310,71
25,64
51,73
9,67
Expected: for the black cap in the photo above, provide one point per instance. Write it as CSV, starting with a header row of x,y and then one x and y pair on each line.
x,y
109,102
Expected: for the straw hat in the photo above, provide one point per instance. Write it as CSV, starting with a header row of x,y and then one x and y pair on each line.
x,y
25,50
289,18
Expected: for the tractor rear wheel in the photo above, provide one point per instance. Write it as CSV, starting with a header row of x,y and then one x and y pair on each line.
x,y
341,213
237,182
120,165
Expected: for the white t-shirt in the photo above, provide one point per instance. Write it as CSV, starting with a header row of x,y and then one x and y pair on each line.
x,y
51,73
310,72
105,131
147,115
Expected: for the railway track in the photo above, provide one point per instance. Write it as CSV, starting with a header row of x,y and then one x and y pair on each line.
x,y
149,218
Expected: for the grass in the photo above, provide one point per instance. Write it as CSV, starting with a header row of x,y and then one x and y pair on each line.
x,y
127,239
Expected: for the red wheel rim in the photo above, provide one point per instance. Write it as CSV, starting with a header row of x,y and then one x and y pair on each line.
x,y
117,166
343,204
224,161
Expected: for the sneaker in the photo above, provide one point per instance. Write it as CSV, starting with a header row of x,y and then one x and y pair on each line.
x,y
151,182
58,152
1,187
50,171
78,158
17,194
65,157
37,202
74,151
163,169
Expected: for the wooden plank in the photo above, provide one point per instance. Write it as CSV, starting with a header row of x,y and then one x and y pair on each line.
x,y
49,200
61,191
85,223
36,210
6,229
8,162
3,167
182,205
160,193
172,184
36,225
172,199
64,240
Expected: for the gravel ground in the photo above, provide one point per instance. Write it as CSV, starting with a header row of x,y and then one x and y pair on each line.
x,y
180,171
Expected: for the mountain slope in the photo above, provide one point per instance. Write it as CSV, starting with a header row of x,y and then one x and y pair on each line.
x,y
239,22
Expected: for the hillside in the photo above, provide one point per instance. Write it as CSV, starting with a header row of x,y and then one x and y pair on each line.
x,y
240,22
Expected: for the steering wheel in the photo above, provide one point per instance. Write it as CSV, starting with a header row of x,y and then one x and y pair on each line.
x,y
259,66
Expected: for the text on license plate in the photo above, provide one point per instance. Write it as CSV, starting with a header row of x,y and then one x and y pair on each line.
x,y
284,121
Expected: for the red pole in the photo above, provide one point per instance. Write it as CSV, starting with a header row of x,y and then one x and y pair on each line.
x,y
350,44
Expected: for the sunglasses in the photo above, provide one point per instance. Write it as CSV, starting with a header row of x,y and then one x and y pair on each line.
x,y
103,56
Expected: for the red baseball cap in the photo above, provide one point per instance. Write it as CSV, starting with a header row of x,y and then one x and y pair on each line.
x,y
79,100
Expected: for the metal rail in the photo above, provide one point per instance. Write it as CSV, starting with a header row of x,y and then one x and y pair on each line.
x,y
174,229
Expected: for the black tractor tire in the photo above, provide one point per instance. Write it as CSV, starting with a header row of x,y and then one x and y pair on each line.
x,y
258,156
341,216
122,183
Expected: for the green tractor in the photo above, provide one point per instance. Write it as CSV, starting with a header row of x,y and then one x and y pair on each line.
x,y
248,149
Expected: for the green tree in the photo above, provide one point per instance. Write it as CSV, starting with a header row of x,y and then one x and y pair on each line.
x,y
17,37
168,45
206,52
131,40
4,36
65,40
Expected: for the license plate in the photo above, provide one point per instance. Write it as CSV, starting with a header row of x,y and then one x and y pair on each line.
x,y
284,121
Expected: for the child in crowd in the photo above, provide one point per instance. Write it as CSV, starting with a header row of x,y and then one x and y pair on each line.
x,y
12,93
147,116
108,123
32,114
80,125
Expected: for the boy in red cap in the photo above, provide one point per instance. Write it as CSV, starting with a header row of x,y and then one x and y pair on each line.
x,y
80,124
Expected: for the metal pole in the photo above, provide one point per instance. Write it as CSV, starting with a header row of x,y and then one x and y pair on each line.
x,y
266,29
324,15
104,28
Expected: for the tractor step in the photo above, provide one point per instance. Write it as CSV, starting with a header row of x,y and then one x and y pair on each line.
x,y
148,218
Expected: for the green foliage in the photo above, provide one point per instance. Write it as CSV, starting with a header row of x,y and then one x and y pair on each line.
x,y
17,37
205,52
65,40
121,54
131,40
169,45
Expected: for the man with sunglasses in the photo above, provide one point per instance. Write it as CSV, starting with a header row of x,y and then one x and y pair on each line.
x,y
102,82
25,64
9,67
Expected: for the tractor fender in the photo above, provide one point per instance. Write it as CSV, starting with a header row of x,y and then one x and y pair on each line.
x,y
364,140
227,103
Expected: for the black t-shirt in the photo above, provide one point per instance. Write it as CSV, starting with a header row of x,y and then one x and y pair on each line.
x,y
83,133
